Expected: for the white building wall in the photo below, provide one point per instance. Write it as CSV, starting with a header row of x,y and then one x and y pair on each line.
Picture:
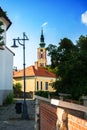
x,y
1,70
6,66
6,73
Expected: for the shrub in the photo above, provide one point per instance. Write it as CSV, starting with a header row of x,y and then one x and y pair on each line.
x,y
9,99
17,89
46,94
42,93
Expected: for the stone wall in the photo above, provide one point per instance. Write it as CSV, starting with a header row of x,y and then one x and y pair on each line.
x,y
75,123
59,115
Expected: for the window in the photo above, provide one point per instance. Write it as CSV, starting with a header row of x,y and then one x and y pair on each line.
x,y
46,85
41,64
41,85
37,85
41,56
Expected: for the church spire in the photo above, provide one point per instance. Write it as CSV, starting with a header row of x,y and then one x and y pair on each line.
x,y
41,52
42,44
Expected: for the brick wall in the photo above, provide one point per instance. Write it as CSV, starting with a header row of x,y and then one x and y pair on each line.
x,y
75,123
60,115
48,116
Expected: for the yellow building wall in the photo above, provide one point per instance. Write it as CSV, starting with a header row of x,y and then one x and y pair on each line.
x,y
19,80
31,83
44,80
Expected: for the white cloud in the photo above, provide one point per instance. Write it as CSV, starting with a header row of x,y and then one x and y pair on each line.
x,y
84,18
44,24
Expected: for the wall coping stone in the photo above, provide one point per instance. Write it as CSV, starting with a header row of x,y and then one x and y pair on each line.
x,y
64,104
42,98
72,106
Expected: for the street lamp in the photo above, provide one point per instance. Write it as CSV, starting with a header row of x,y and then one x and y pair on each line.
x,y
25,111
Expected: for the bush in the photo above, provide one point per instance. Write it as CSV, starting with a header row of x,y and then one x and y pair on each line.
x,y
54,95
17,89
9,99
42,93
46,94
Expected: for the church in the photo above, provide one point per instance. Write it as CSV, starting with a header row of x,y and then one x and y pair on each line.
x,y
37,77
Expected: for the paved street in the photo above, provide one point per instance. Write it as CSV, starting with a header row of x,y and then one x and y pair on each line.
x,y
10,120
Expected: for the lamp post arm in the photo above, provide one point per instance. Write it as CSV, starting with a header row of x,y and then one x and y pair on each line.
x,y
24,38
18,39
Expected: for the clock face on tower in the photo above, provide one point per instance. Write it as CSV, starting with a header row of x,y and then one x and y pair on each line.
x,y
41,50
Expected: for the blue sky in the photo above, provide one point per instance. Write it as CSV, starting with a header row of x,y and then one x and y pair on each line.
x,y
59,18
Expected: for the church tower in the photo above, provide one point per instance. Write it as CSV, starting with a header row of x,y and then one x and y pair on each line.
x,y
41,52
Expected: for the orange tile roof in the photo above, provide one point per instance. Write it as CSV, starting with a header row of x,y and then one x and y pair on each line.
x,y
31,71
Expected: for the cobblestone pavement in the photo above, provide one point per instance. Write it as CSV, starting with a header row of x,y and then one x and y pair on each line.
x,y
10,120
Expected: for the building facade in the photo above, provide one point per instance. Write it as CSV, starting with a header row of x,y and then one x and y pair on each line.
x,y
37,78
6,64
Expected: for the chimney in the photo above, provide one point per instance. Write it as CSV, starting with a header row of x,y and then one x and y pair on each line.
x,y
36,65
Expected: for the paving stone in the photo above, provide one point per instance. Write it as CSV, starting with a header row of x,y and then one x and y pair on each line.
x,y
10,120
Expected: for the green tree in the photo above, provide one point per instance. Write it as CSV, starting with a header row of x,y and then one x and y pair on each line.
x,y
72,67
52,52
2,14
82,43
17,88
1,31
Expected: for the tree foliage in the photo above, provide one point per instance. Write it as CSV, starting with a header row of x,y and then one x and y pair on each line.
x,y
17,88
1,31
2,14
52,49
72,67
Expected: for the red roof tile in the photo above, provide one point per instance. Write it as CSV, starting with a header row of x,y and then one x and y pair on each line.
x,y
31,71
